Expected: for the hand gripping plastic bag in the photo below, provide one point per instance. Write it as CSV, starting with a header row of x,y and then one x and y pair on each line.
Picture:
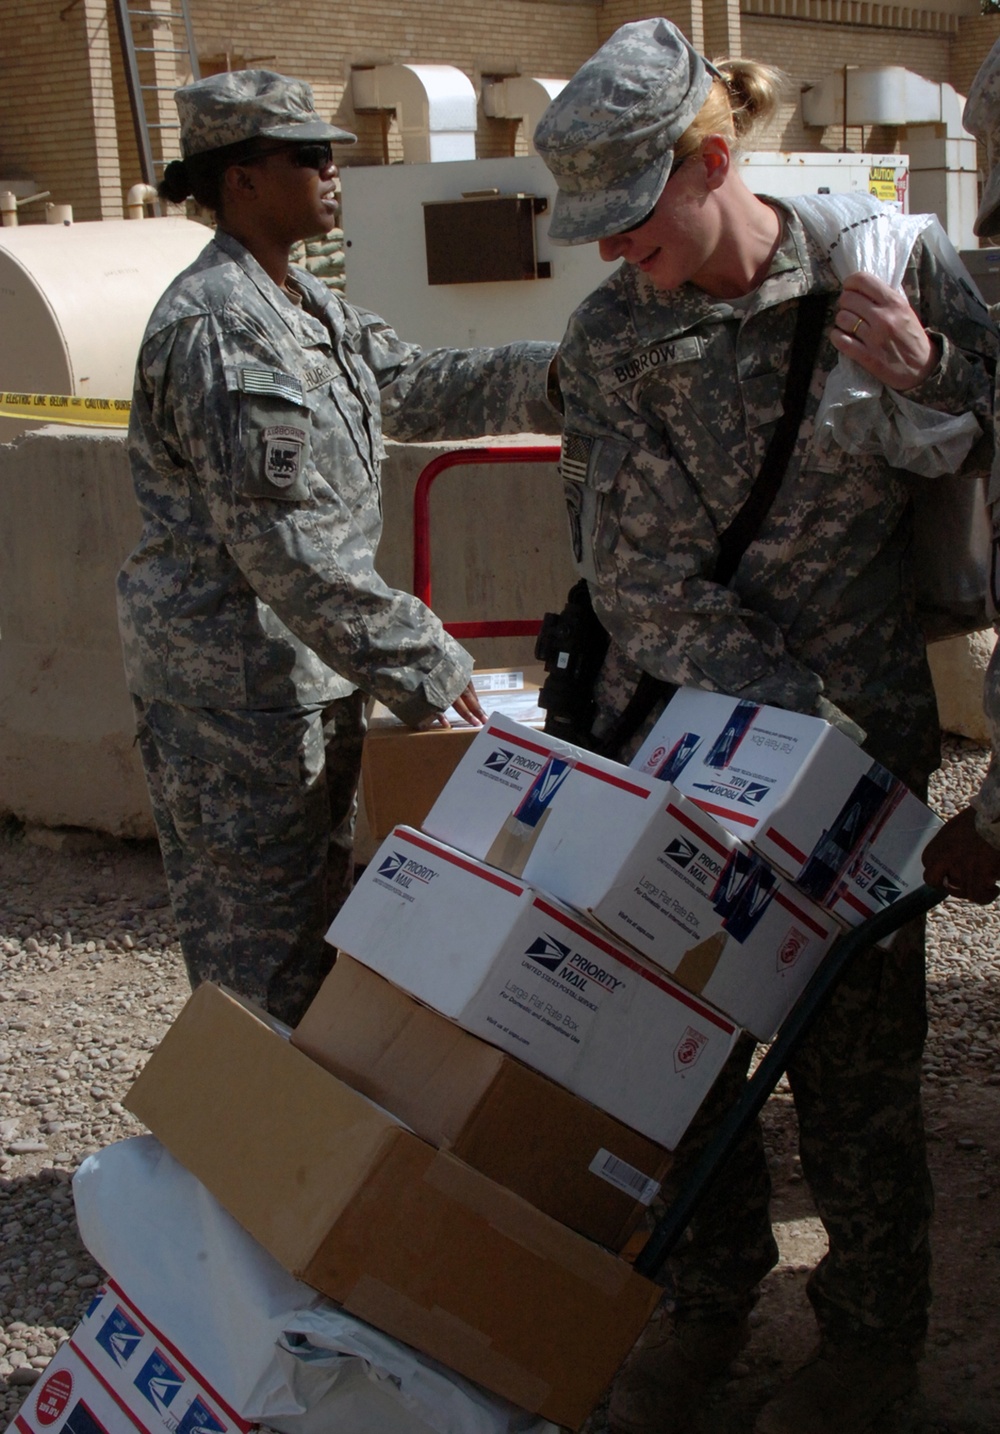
x,y
859,413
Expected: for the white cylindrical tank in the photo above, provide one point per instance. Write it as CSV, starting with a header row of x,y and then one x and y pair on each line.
x,y
74,300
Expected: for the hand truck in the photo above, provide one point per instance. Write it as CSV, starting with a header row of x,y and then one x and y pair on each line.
x,y
730,1131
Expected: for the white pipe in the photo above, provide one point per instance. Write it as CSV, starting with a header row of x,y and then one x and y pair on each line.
x,y
139,196
10,204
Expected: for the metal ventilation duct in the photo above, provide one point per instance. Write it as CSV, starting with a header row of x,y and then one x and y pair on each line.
x,y
435,108
520,97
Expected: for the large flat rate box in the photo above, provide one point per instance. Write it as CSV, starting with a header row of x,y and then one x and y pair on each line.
x,y
520,970
405,1237
117,1373
643,861
403,771
575,1162
848,833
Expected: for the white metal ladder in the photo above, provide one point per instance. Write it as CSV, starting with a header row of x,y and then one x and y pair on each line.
x,y
143,63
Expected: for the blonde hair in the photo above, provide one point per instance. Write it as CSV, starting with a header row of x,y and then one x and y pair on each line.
x,y
746,97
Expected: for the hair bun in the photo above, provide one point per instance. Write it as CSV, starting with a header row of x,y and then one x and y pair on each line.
x,y
175,186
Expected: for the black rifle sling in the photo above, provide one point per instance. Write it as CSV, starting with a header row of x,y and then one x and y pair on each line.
x,y
735,540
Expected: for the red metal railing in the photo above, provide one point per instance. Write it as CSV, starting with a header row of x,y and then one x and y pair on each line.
x,y
549,453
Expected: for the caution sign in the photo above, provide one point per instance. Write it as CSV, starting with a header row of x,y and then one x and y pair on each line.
x,y
882,181
65,408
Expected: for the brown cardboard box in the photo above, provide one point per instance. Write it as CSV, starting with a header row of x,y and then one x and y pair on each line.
x,y
402,771
405,1237
578,1164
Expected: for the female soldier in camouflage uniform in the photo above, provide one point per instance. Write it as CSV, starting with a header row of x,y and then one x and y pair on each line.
x,y
672,375
252,617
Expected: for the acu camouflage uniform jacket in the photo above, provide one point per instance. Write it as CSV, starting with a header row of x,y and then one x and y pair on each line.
x,y
256,447
670,400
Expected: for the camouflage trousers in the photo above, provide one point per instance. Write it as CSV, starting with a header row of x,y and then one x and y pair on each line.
x,y
255,816
856,1087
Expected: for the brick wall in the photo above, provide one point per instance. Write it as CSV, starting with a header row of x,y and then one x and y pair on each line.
x,y
808,52
57,121
976,36
65,119
321,44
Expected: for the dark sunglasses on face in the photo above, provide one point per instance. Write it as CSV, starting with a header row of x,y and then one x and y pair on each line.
x,y
311,154
316,155
647,217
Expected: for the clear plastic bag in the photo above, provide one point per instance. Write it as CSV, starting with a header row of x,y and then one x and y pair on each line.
x,y
857,412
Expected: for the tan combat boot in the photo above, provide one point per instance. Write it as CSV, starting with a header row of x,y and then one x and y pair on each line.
x,y
665,1380
841,1390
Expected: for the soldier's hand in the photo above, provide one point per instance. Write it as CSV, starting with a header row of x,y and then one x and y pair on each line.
x,y
467,706
960,862
876,326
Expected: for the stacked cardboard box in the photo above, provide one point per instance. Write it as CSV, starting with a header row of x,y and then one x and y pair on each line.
x,y
637,857
847,832
403,771
406,1237
533,996
519,969
459,1093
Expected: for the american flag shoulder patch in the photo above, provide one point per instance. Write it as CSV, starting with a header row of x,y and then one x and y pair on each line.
x,y
574,459
271,381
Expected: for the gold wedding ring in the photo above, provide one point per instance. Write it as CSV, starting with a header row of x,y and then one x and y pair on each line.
x,y
854,331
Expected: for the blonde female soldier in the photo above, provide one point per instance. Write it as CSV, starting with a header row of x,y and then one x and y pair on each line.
x,y
674,375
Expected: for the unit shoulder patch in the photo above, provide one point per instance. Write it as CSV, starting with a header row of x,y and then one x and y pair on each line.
x,y
284,447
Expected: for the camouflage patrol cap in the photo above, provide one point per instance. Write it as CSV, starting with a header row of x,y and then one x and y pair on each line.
x,y
981,117
609,136
249,104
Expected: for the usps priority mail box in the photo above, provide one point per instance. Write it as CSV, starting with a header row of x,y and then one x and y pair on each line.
x,y
501,795
696,901
637,857
520,970
847,832
118,1373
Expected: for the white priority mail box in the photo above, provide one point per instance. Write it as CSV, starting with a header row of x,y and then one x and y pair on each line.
x,y
501,795
117,1373
846,831
634,855
518,969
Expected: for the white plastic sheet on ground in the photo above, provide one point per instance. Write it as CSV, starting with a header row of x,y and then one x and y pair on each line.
x,y
859,232
279,1353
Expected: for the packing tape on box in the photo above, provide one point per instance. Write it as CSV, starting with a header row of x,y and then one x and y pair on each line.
x,y
66,408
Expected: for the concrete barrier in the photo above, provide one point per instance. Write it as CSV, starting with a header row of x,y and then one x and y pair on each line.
x,y
68,518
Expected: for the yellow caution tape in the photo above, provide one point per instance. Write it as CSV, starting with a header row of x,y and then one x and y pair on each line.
x,y
65,408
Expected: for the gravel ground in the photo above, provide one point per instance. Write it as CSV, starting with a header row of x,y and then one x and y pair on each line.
x,y
91,976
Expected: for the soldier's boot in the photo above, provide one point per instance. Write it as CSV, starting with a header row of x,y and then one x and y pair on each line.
x,y
663,1384
841,1390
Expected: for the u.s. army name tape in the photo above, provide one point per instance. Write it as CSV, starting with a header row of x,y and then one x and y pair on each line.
x,y
66,408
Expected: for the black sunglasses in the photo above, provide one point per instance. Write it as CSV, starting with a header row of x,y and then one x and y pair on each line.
x,y
310,154
647,217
